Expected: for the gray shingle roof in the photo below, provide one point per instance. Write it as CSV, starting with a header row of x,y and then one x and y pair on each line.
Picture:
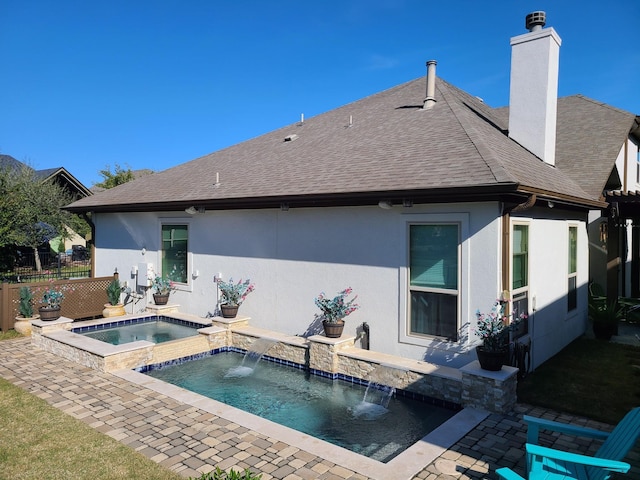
x,y
392,145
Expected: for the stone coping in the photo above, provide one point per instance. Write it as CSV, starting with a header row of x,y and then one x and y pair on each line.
x,y
94,346
402,363
205,322
103,349
474,368
403,467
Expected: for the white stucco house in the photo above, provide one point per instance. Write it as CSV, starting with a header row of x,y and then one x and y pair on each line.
x,y
429,208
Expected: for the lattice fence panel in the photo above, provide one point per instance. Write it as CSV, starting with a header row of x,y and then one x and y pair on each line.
x,y
84,298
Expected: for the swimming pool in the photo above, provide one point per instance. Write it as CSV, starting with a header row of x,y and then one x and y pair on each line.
x,y
156,329
332,410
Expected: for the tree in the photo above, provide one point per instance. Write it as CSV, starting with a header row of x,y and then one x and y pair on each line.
x,y
113,179
31,210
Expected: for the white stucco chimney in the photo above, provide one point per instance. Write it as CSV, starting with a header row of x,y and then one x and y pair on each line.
x,y
533,96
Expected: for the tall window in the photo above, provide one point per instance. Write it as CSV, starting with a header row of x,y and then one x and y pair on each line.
x,y
572,295
174,252
434,258
520,275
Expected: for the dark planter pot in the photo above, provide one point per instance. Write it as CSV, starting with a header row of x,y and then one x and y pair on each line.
x,y
160,298
491,360
229,311
333,329
604,331
49,313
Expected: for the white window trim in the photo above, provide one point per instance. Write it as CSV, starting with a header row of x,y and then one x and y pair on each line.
x,y
574,274
528,286
462,219
182,287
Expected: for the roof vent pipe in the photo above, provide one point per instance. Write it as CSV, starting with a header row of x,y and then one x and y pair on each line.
x,y
535,21
430,99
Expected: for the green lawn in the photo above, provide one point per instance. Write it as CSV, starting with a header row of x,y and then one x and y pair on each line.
x,y
40,441
590,378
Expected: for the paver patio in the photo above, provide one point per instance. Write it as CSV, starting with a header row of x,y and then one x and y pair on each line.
x,y
191,440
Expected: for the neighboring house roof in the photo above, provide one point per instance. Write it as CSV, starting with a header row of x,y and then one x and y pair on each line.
x,y
383,146
59,174
7,161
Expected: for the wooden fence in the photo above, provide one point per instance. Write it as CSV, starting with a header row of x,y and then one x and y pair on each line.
x,y
83,298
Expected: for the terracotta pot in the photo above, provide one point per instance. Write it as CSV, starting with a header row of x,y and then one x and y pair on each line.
x,y
333,329
492,360
160,298
22,325
48,314
229,311
113,310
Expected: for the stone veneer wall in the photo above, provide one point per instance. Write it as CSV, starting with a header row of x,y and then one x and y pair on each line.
x,y
493,391
286,347
69,352
447,388
469,386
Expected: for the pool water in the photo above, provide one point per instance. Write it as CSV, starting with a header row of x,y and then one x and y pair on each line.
x,y
332,410
157,331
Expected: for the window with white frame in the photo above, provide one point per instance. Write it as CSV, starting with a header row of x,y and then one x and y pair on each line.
x,y
572,287
520,275
175,252
434,270
638,165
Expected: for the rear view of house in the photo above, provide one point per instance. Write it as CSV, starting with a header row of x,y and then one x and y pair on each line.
x,y
427,202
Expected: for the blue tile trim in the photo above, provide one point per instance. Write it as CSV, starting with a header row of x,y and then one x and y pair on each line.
x,y
320,373
134,321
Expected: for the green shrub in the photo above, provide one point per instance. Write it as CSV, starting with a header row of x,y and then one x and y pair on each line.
x,y
26,302
113,291
218,474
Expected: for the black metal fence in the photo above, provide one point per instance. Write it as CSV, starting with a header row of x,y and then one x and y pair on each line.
x,y
75,263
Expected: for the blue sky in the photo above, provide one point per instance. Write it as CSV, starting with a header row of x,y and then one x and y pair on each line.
x,y
152,84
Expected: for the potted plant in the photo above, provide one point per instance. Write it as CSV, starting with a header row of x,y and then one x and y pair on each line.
x,y
233,294
604,317
493,328
114,308
163,288
22,323
52,299
334,310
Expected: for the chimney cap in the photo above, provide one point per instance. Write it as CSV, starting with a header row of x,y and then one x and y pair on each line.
x,y
535,21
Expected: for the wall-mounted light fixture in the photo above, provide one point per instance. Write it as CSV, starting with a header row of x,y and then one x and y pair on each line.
x,y
551,204
193,210
284,207
385,204
407,203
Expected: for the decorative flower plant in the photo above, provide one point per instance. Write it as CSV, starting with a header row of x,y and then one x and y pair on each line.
x,y
233,294
494,327
54,294
163,286
336,308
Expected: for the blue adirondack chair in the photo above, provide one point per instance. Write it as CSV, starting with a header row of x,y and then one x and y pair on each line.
x,y
547,463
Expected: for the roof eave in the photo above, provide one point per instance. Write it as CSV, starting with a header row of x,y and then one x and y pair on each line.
x,y
510,192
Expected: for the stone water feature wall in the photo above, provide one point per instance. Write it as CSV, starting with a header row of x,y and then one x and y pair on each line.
x,y
469,386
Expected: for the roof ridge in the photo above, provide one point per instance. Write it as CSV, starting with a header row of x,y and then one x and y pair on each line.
x,y
601,104
499,172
